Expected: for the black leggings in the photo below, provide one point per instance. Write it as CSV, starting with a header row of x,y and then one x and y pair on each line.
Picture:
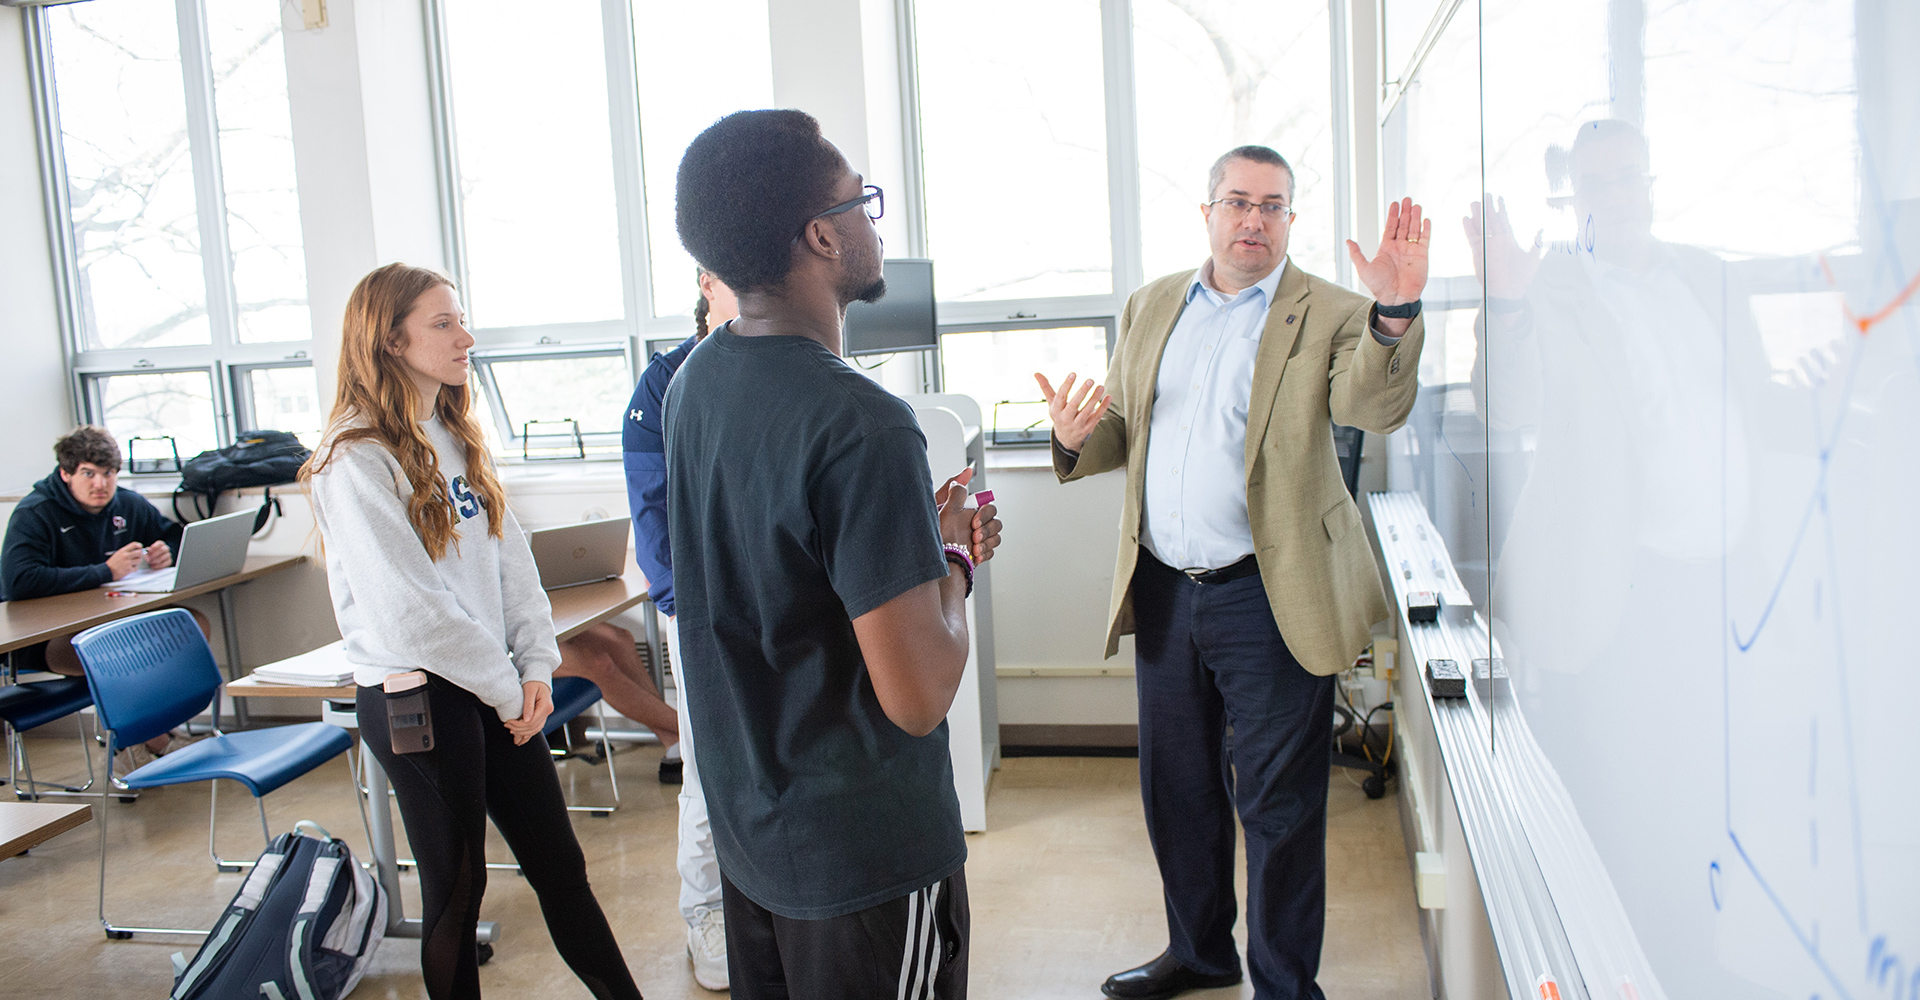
x,y
446,794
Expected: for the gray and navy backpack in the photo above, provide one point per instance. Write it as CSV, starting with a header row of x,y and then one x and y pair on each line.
x,y
303,927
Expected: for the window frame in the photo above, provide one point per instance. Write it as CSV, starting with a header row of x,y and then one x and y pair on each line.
x,y
1109,322
225,353
601,445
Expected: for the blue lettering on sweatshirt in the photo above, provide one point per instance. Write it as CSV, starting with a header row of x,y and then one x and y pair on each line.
x,y
463,498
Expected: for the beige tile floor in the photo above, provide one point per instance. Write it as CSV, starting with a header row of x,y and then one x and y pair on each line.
x,y
1063,889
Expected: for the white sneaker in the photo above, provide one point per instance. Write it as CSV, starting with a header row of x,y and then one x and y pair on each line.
x,y
707,946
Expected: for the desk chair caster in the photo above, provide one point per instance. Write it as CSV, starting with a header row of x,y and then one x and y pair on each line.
x,y
1375,786
486,953
119,935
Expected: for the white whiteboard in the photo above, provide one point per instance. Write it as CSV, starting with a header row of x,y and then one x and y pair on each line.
x,y
1675,453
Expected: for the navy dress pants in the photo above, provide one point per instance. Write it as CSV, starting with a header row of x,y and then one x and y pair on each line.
x,y
1209,658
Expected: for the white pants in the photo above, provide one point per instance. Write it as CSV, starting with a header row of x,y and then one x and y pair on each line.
x,y
699,866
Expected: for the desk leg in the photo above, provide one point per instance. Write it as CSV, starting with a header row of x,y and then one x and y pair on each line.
x,y
656,660
385,868
230,631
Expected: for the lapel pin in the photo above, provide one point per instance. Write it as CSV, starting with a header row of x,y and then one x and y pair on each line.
x,y
1290,317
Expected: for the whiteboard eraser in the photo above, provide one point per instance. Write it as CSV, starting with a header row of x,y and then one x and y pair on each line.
x,y
1430,880
1423,606
1490,676
1444,679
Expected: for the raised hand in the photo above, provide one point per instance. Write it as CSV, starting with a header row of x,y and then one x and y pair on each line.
x,y
1498,259
1398,271
1074,415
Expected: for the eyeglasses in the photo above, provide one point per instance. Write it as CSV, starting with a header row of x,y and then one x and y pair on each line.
x,y
1238,207
873,196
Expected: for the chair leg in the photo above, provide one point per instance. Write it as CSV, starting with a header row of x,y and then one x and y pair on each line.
x,y
606,753
31,789
213,817
116,932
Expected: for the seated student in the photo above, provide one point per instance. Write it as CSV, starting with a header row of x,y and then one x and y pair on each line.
x,y
77,530
605,654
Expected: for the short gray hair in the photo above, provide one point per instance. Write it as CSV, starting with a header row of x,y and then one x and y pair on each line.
x,y
1258,154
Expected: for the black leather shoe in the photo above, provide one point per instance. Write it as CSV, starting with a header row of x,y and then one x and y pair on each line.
x,y
1163,977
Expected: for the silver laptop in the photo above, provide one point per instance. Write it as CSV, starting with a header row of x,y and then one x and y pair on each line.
x,y
573,554
209,550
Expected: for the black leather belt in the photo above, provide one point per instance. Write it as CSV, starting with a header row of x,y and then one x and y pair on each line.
x,y
1226,574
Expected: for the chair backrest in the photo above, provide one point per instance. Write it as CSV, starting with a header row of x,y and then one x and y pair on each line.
x,y
148,673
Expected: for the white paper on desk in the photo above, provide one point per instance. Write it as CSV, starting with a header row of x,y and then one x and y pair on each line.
x,y
323,667
145,581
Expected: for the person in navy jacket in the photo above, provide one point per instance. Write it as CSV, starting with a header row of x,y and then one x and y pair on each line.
x,y
77,530
644,443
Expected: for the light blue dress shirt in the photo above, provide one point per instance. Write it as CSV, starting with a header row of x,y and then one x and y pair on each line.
x,y
1195,514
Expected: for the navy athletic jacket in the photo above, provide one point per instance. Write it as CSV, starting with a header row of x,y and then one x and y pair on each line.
x,y
643,445
55,547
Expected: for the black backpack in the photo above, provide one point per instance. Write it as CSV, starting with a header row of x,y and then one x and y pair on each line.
x,y
304,925
258,458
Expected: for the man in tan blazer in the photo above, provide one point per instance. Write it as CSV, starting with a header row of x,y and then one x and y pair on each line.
x,y
1243,572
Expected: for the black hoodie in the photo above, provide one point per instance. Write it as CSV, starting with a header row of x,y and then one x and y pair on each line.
x,y
55,547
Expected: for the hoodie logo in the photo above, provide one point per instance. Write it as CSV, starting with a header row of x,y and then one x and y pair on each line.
x,y
66,529
119,523
463,499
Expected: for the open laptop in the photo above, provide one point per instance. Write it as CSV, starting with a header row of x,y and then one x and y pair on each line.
x,y
573,554
209,550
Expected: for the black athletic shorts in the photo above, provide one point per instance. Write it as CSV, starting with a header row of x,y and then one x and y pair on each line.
x,y
913,947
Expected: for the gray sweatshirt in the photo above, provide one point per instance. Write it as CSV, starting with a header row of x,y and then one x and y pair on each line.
x,y
476,617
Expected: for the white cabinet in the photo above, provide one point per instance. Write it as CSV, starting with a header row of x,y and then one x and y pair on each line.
x,y
954,438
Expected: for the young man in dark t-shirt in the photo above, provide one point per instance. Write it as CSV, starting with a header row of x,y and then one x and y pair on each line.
x,y
821,586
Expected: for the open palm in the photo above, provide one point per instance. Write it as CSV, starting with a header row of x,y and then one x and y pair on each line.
x,y
1398,271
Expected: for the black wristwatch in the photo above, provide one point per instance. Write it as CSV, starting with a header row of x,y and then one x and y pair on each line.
x,y
1405,310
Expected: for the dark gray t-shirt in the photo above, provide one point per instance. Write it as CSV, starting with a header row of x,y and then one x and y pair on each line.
x,y
798,499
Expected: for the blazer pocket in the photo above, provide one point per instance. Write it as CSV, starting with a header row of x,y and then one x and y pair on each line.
x,y
1340,519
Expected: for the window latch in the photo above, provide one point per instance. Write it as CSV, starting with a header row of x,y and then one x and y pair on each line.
x,y
143,363
1017,314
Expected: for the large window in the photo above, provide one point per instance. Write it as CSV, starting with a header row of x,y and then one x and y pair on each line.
x,y
1014,139
1064,164
566,132
184,274
1210,75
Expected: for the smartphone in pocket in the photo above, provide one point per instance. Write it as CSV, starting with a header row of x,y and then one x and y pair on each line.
x,y
409,715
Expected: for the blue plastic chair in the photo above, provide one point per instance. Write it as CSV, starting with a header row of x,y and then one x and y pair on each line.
x,y
152,672
25,706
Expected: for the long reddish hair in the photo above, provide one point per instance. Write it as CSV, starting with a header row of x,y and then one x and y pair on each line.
x,y
376,393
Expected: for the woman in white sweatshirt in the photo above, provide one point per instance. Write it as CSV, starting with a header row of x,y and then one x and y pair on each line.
x,y
431,573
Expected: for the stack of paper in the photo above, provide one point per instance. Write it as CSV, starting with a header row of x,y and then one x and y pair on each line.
x,y
323,667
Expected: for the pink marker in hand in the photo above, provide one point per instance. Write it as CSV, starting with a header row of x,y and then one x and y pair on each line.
x,y
984,497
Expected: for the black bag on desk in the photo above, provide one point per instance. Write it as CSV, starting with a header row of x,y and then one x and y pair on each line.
x,y
304,924
257,458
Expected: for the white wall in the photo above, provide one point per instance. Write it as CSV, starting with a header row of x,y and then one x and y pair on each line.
x,y
38,399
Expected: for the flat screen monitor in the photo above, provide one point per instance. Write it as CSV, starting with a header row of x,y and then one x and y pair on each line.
x,y
903,319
